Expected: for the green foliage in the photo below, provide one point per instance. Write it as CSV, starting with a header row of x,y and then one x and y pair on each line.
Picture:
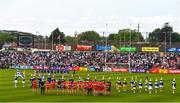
x,y
70,39
164,34
126,35
58,37
5,37
89,36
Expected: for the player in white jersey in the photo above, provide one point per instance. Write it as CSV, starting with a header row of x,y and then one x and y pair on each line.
x,y
150,86
140,85
15,81
161,84
173,85
132,82
23,83
146,85
118,84
134,86
156,85
124,85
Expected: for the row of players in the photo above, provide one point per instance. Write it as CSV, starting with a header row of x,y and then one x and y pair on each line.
x,y
71,87
95,87
148,85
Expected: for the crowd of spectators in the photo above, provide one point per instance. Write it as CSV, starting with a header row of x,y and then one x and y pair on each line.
x,y
169,60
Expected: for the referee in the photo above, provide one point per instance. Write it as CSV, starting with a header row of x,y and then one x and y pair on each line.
x,y
42,86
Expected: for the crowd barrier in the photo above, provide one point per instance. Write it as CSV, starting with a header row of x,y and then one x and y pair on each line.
x,y
21,67
77,68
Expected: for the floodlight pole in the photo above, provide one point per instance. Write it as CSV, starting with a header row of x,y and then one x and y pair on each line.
x,y
129,52
165,42
45,42
52,41
106,46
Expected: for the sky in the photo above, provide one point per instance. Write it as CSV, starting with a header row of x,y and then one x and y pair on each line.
x,y
70,16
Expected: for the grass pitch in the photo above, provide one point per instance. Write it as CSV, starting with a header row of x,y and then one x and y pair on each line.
x,y
9,94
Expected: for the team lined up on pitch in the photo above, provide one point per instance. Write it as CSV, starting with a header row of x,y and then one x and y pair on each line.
x,y
102,87
90,87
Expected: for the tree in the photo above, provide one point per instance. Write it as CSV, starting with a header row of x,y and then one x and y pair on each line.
x,y
58,37
70,39
161,34
175,37
124,36
89,36
5,37
153,36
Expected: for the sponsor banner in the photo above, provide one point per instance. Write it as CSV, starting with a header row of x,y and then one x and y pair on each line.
x,y
63,48
137,70
21,67
76,68
83,48
67,48
91,69
173,50
99,47
107,69
173,71
128,49
150,49
120,70
83,68
165,71
178,49
154,70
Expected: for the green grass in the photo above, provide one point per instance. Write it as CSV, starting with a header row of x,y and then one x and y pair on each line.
x,y
9,94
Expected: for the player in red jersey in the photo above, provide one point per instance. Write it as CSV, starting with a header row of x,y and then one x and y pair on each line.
x,y
64,86
69,83
80,86
100,87
103,87
85,87
108,87
90,86
34,86
53,83
48,87
95,87
74,86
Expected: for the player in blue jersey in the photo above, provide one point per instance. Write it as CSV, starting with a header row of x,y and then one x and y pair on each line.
x,y
118,85
140,85
134,86
150,86
156,86
161,84
124,85
15,81
146,85
131,82
173,85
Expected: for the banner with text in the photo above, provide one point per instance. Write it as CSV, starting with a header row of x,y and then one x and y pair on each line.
x,y
137,70
128,49
99,47
150,49
83,48
120,70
